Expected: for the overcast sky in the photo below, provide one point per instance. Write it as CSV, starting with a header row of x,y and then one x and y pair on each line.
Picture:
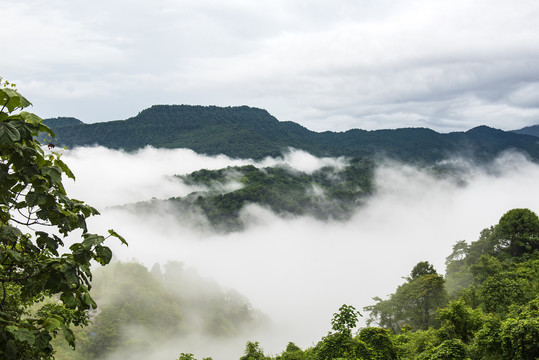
x,y
328,65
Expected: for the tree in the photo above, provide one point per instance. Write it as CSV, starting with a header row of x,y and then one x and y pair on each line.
x,y
422,268
459,321
345,320
340,343
253,351
379,342
520,331
518,232
414,303
36,216
292,352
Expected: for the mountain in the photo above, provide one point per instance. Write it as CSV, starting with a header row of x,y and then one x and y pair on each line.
x,y
329,193
253,133
528,130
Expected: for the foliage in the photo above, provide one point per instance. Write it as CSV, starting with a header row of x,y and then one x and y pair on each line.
x,y
414,303
253,351
518,232
519,333
186,356
328,193
35,216
345,320
452,349
379,342
459,321
292,352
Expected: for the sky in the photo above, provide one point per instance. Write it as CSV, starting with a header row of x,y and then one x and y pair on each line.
x,y
297,270
328,65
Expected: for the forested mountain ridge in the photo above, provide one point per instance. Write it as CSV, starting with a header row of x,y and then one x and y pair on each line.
x,y
328,193
528,130
253,133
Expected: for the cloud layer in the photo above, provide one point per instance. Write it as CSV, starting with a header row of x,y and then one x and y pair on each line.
x,y
327,65
300,270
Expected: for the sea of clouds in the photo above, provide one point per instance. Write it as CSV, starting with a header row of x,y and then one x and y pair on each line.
x,y
298,270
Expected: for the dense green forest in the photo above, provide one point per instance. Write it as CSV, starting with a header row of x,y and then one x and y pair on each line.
x,y
328,193
245,132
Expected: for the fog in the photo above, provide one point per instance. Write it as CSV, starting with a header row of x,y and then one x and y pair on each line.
x,y
299,270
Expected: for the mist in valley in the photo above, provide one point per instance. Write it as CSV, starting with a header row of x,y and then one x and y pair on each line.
x,y
296,270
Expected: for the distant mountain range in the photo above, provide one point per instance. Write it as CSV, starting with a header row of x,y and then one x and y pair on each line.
x,y
247,132
529,130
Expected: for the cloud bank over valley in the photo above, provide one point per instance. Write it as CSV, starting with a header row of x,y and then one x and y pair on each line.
x,y
299,270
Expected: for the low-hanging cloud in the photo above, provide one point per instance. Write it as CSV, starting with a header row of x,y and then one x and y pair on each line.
x,y
121,177
299,270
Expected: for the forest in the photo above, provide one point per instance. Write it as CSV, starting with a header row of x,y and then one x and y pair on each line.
x,y
246,132
328,193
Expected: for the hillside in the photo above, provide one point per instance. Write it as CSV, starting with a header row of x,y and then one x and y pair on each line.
x,y
253,133
528,130
327,193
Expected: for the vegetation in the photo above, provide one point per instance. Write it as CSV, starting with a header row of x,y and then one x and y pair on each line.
x,y
42,292
328,193
253,133
529,130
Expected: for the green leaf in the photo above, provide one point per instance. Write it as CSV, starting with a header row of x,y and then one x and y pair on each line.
x,y
25,132
8,134
43,339
88,300
24,335
91,240
82,256
12,100
69,336
69,300
44,240
64,168
14,255
53,323
35,198
11,329
31,118
7,231
118,236
44,128
54,174
104,254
